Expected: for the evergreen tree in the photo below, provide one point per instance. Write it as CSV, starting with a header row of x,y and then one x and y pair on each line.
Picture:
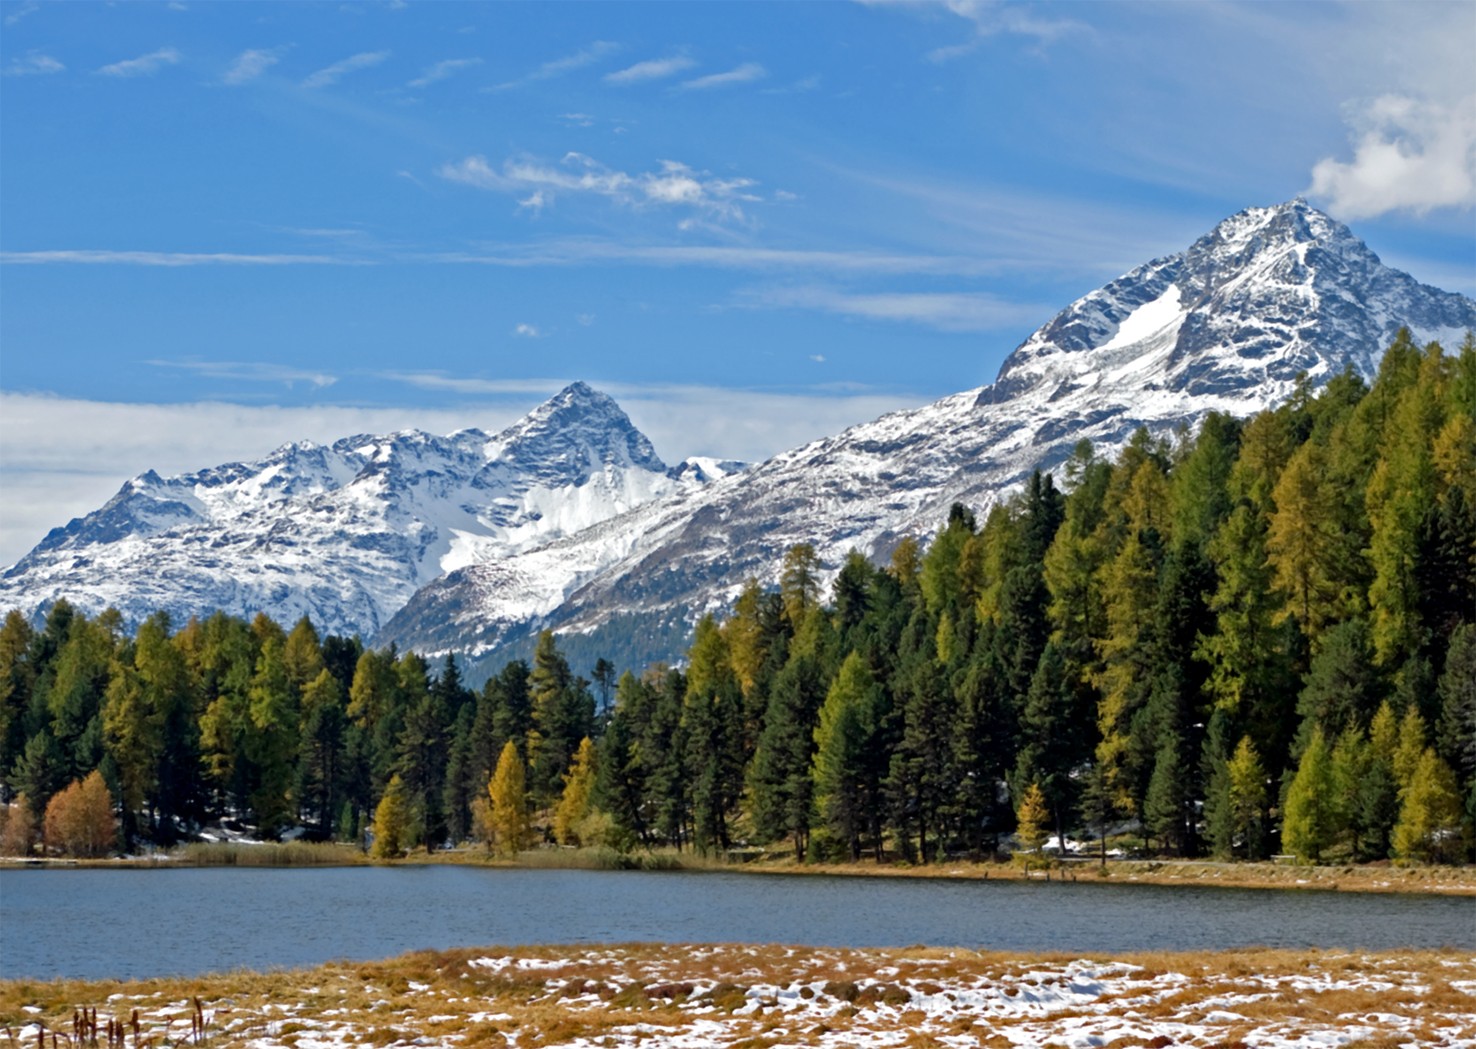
x,y
780,786
843,789
421,754
712,718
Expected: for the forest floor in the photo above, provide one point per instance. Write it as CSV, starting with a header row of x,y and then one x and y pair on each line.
x,y
764,997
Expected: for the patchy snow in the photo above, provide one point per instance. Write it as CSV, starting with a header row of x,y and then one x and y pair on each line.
x,y
720,996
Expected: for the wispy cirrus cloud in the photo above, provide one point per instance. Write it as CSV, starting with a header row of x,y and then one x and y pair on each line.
x,y
251,64
988,18
651,69
330,75
672,184
1411,154
442,70
943,311
587,251
168,258
744,74
248,371
20,11
34,64
560,66
143,65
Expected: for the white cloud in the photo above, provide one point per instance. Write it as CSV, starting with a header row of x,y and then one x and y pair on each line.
x,y
818,358
443,70
249,371
251,64
744,74
651,69
144,65
590,251
673,184
560,66
34,64
944,311
1410,154
527,331
329,75
168,258
21,11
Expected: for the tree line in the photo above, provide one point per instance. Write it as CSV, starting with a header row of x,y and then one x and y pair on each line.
x,y
1257,637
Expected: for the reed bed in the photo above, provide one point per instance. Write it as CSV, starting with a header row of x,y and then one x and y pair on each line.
x,y
266,854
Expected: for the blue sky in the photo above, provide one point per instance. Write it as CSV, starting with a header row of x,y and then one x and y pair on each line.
x,y
226,226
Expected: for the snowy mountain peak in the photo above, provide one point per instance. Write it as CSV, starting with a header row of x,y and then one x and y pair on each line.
x,y
346,533
1269,293
579,428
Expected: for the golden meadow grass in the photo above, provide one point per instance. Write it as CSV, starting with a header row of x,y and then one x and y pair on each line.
x,y
754,997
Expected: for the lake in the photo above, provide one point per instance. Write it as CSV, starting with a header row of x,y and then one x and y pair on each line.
x,y
94,924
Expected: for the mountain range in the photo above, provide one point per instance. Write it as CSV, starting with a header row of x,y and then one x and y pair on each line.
x,y
569,520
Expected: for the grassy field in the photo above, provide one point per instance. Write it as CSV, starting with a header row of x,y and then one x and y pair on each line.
x,y
765,997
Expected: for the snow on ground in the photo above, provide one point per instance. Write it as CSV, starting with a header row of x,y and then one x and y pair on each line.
x,y
675,997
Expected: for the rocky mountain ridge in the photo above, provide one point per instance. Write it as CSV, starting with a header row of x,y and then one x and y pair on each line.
x,y
1227,325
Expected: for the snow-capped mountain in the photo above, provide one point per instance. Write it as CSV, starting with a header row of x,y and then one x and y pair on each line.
x,y
1226,325
347,533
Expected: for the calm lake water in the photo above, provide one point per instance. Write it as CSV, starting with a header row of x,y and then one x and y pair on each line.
x,y
95,924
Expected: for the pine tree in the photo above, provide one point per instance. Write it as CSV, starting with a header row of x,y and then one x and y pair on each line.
x,y
712,717
509,798
842,739
574,805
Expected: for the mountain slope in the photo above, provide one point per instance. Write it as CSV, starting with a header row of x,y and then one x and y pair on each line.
x,y
1226,325
347,533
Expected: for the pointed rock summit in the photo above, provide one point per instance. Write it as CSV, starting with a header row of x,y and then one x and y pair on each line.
x,y
346,533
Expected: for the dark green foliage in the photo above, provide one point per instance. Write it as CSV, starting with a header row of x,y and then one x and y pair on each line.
x,y
1218,638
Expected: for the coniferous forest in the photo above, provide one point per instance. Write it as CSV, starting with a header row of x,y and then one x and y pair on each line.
x,y
1258,638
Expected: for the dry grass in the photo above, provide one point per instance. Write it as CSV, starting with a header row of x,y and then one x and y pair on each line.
x,y
760,997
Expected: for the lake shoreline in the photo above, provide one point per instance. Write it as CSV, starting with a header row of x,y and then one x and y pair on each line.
x,y
730,995
1361,878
